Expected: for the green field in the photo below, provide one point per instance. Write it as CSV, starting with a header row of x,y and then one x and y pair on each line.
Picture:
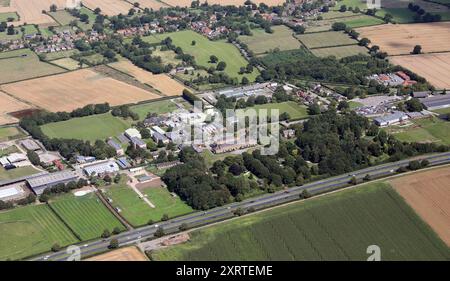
x,y
62,17
60,55
8,133
67,63
23,64
86,215
6,16
137,212
167,57
31,230
295,110
340,52
17,172
358,20
158,107
337,226
423,130
325,39
442,110
262,42
204,48
90,128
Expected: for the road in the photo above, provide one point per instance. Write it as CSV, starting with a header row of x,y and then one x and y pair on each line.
x,y
224,212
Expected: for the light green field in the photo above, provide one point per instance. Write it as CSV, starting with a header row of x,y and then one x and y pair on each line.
x,y
91,15
137,212
424,130
94,59
6,16
17,35
358,20
4,3
7,133
167,57
67,63
60,55
204,48
45,32
29,29
442,110
23,64
31,230
325,39
17,172
90,128
62,17
7,151
362,21
336,14
158,107
86,215
339,226
354,104
340,52
261,42
295,110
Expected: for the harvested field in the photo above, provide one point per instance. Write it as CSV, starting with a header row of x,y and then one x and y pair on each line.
x,y
187,3
161,82
428,193
109,7
7,105
31,11
124,254
151,4
400,39
433,67
72,90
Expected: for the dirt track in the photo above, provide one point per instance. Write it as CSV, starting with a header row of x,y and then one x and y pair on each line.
x,y
428,193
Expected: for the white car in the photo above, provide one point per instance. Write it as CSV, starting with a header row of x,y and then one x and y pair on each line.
x,y
46,258
156,226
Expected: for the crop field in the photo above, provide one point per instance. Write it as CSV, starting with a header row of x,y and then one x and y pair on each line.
x,y
337,226
428,193
261,42
7,105
67,63
23,64
433,67
340,52
86,215
401,38
122,254
325,39
204,48
151,4
295,110
423,130
161,82
30,230
158,107
89,128
31,11
72,90
109,7
17,172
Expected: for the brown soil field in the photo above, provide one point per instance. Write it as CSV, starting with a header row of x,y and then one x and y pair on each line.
x,y
400,39
7,105
30,12
109,7
72,90
161,82
428,193
123,254
433,67
151,4
187,3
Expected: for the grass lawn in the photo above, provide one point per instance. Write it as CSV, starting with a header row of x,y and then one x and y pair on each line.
x,y
23,64
60,55
337,226
8,133
165,204
325,39
86,215
62,17
7,151
340,52
94,59
67,63
45,32
90,128
362,21
9,15
295,110
204,48
159,107
167,57
30,29
31,230
424,130
400,15
261,42
442,110
354,104
17,172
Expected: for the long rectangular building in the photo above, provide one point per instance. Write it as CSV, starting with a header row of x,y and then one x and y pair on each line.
x,y
436,102
40,183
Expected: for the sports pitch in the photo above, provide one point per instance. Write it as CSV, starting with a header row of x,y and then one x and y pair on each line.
x,y
339,226
89,128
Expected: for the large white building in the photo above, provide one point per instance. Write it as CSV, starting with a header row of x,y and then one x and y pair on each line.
x,y
107,167
133,133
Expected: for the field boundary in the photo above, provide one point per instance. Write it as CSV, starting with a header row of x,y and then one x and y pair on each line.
x,y
122,220
64,222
